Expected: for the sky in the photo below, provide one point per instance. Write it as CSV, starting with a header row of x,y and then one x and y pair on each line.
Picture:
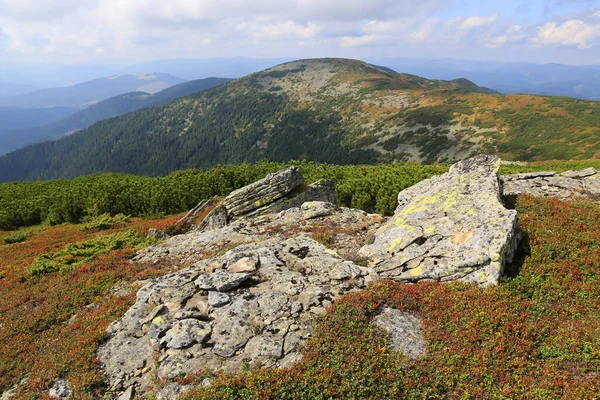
x,y
92,31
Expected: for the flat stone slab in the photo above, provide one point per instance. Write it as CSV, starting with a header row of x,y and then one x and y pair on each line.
x,y
404,331
569,185
449,227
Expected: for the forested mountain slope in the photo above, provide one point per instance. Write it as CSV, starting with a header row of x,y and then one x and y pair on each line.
x,y
108,108
330,110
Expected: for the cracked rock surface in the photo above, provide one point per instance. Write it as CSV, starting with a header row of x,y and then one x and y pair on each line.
x,y
449,227
568,185
207,316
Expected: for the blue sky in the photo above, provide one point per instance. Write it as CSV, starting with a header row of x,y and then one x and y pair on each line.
x,y
91,31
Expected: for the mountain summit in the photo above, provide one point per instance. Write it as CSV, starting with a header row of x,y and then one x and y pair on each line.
x,y
327,110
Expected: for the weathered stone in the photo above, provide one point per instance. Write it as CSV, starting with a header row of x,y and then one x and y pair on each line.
x,y
265,191
157,233
569,185
217,218
264,323
199,302
317,209
127,394
404,331
60,389
449,227
321,190
245,264
159,326
221,280
235,327
186,332
216,299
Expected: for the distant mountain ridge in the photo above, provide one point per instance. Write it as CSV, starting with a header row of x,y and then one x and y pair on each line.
x,y
109,108
327,110
90,92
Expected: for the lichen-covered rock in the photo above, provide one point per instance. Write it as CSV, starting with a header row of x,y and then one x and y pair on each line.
x,y
227,319
317,209
568,185
404,331
265,191
449,227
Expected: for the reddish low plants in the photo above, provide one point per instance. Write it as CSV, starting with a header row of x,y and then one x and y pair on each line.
x,y
536,335
52,324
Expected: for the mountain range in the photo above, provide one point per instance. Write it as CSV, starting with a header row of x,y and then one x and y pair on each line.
x,y
12,138
90,92
327,110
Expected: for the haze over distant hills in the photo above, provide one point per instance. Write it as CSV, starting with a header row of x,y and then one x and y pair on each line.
x,y
90,92
328,110
12,138
506,77
546,79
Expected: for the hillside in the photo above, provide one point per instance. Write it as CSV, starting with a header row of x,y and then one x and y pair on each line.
x,y
19,118
90,92
327,110
108,108
92,311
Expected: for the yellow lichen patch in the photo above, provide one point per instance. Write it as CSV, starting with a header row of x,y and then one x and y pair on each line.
x,y
430,230
416,271
395,244
460,238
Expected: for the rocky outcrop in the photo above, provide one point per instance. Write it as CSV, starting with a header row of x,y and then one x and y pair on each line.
x,y
265,262
254,304
276,192
449,227
568,185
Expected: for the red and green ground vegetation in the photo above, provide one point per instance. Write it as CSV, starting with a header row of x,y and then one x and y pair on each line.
x,y
52,320
535,335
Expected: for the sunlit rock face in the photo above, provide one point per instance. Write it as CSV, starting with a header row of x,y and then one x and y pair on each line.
x,y
449,227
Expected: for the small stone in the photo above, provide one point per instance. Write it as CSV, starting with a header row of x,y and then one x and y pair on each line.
x,y
346,270
404,332
156,311
317,209
186,332
245,264
173,305
221,280
60,389
206,382
127,394
158,326
217,299
200,303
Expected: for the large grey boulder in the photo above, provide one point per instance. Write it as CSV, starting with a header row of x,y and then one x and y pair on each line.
x,y
275,193
449,227
265,191
569,185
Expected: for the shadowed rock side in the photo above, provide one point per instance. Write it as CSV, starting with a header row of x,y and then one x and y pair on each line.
x,y
449,227
568,185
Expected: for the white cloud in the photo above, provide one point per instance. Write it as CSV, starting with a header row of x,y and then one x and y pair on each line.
x,y
98,29
357,41
570,33
278,30
475,21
